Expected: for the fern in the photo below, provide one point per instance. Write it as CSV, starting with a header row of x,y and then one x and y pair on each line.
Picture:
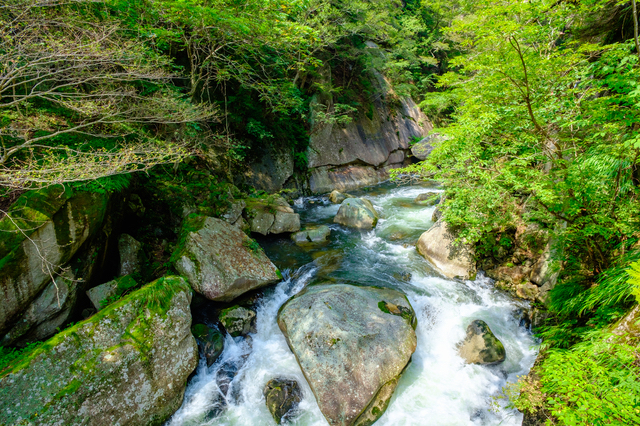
x,y
634,279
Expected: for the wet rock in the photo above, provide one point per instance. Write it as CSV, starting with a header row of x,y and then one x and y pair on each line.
x,y
338,197
437,246
131,255
238,321
352,344
481,346
127,365
327,178
312,234
282,397
428,199
56,223
357,213
106,293
210,342
285,222
538,318
220,261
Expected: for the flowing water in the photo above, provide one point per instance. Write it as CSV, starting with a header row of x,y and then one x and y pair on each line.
x,y
437,388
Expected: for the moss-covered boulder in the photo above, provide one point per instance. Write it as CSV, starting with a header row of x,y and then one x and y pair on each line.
x,y
352,344
481,346
126,365
282,397
220,261
438,245
103,294
42,233
210,342
357,213
238,321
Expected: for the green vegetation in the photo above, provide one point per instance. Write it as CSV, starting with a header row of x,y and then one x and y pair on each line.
x,y
539,102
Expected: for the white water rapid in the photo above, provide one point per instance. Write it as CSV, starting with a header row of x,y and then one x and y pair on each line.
x,y
437,388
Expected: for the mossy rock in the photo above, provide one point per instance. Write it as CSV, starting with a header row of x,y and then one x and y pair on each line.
x,y
481,346
210,341
282,397
238,321
357,213
428,199
128,364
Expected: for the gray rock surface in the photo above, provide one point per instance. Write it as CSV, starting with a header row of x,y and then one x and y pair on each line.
x,y
282,397
127,365
238,321
352,344
272,170
57,223
234,212
131,255
481,346
220,261
357,213
51,309
437,246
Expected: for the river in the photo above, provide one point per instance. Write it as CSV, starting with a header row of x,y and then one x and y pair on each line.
x,y
437,388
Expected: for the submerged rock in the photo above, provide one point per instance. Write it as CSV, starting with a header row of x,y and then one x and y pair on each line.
x,y
481,346
210,341
220,261
352,344
337,197
357,213
282,397
312,234
428,199
238,321
438,246
126,365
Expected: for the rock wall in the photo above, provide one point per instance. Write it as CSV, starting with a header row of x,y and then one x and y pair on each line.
x,y
362,152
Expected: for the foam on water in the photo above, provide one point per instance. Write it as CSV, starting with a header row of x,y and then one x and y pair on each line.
x,y
437,388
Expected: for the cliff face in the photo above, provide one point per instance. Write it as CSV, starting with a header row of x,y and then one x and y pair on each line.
x,y
362,152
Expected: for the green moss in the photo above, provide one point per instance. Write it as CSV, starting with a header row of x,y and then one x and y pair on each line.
x,y
383,307
192,223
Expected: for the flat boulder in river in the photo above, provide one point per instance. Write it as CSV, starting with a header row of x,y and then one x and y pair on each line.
x,y
481,346
220,261
357,213
352,344
126,365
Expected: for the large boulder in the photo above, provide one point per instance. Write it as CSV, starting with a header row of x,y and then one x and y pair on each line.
x,y
126,365
220,261
357,213
481,346
352,344
43,231
452,259
282,397
271,215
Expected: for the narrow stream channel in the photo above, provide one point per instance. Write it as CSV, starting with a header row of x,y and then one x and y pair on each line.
x,y
437,388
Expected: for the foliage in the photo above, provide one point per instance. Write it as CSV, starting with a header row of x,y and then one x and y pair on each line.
x,y
9,355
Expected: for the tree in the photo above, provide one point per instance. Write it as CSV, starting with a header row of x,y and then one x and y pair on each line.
x,y
79,99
